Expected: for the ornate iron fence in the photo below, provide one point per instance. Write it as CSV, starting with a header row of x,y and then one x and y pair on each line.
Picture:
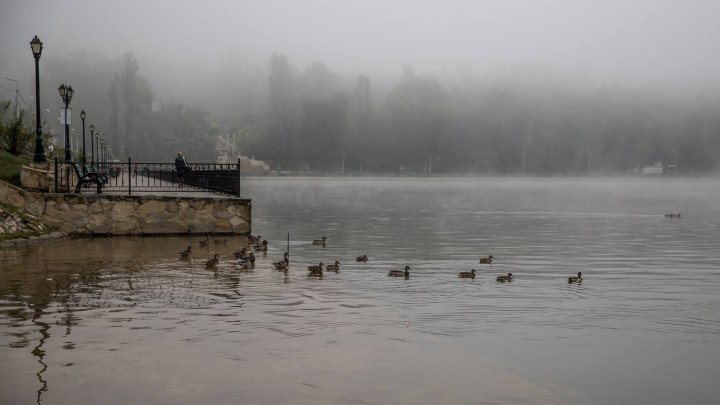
x,y
146,177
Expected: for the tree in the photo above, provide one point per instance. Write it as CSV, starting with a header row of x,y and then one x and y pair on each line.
x,y
419,116
135,106
15,136
283,110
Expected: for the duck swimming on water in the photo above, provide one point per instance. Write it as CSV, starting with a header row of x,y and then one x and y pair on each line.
x,y
487,260
400,273
505,279
283,264
362,258
575,279
185,253
333,267
320,241
467,274
213,262
315,271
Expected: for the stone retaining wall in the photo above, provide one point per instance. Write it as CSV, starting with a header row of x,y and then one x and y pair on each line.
x,y
102,214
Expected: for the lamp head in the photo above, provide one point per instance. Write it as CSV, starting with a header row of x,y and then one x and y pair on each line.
x,y
36,45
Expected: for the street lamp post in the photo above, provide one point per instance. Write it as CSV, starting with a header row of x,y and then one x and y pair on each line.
x,y
82,117
36,45
66,93
97,147
675,171
92,144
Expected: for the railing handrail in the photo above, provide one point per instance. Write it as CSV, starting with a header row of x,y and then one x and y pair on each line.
x,y
157,177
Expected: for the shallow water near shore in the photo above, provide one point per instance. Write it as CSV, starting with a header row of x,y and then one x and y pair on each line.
x,y
125,320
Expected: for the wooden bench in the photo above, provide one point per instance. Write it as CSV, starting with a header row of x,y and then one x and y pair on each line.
x,y
87,177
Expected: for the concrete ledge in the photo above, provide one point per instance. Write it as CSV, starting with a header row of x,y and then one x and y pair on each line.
x,y
105,214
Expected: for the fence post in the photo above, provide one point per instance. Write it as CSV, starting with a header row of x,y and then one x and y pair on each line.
x,y
129,174
238,172
56,175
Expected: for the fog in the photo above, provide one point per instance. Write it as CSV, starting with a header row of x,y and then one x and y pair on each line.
x,y
198,52
181,41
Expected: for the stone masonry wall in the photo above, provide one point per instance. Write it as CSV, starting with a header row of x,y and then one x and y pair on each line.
x,y
101,214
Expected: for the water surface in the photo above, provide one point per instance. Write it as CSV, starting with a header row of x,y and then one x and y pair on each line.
x,y
124,320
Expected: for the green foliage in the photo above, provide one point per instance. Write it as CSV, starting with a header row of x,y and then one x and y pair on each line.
x,y
10,166
15,137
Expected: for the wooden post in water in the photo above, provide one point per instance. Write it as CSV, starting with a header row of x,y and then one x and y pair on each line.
x,y
288,250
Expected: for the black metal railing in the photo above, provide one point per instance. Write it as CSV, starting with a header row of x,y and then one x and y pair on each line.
x,y
144,177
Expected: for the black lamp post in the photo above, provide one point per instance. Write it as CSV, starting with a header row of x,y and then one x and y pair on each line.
x,y
36,45
92,144
97,147
82,117
66,92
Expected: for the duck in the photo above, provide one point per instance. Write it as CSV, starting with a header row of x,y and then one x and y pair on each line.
x,y
320,241
248,261
333,267
505,279
362,258
261,247
315,271
213,262
575,279
185,253
487,260
400,273
240,254
283,264
467,274
204,242
254,239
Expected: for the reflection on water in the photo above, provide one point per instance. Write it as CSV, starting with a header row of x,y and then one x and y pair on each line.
x,y
126,320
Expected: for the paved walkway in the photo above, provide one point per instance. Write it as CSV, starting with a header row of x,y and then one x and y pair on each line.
x,y
143,185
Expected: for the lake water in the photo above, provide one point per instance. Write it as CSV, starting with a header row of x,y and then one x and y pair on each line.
x,y
125,321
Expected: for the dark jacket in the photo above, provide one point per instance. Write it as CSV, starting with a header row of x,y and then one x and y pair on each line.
x,y
180,164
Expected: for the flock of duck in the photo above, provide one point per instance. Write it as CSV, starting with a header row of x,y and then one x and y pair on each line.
x,y
246,259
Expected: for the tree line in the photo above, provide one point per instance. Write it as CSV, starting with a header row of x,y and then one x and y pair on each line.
x,y
315,120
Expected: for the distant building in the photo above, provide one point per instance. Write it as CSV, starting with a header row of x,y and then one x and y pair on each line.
x,y
248,165
657,169
654,169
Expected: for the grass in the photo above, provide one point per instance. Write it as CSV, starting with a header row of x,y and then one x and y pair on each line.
x,y
10,166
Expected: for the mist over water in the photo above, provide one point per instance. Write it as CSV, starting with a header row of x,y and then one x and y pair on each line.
x,y
93,317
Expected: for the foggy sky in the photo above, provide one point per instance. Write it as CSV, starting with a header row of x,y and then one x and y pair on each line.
x,y
637,41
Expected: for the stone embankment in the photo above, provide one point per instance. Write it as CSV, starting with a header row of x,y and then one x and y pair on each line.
x,y
17,229
14,223
102,214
